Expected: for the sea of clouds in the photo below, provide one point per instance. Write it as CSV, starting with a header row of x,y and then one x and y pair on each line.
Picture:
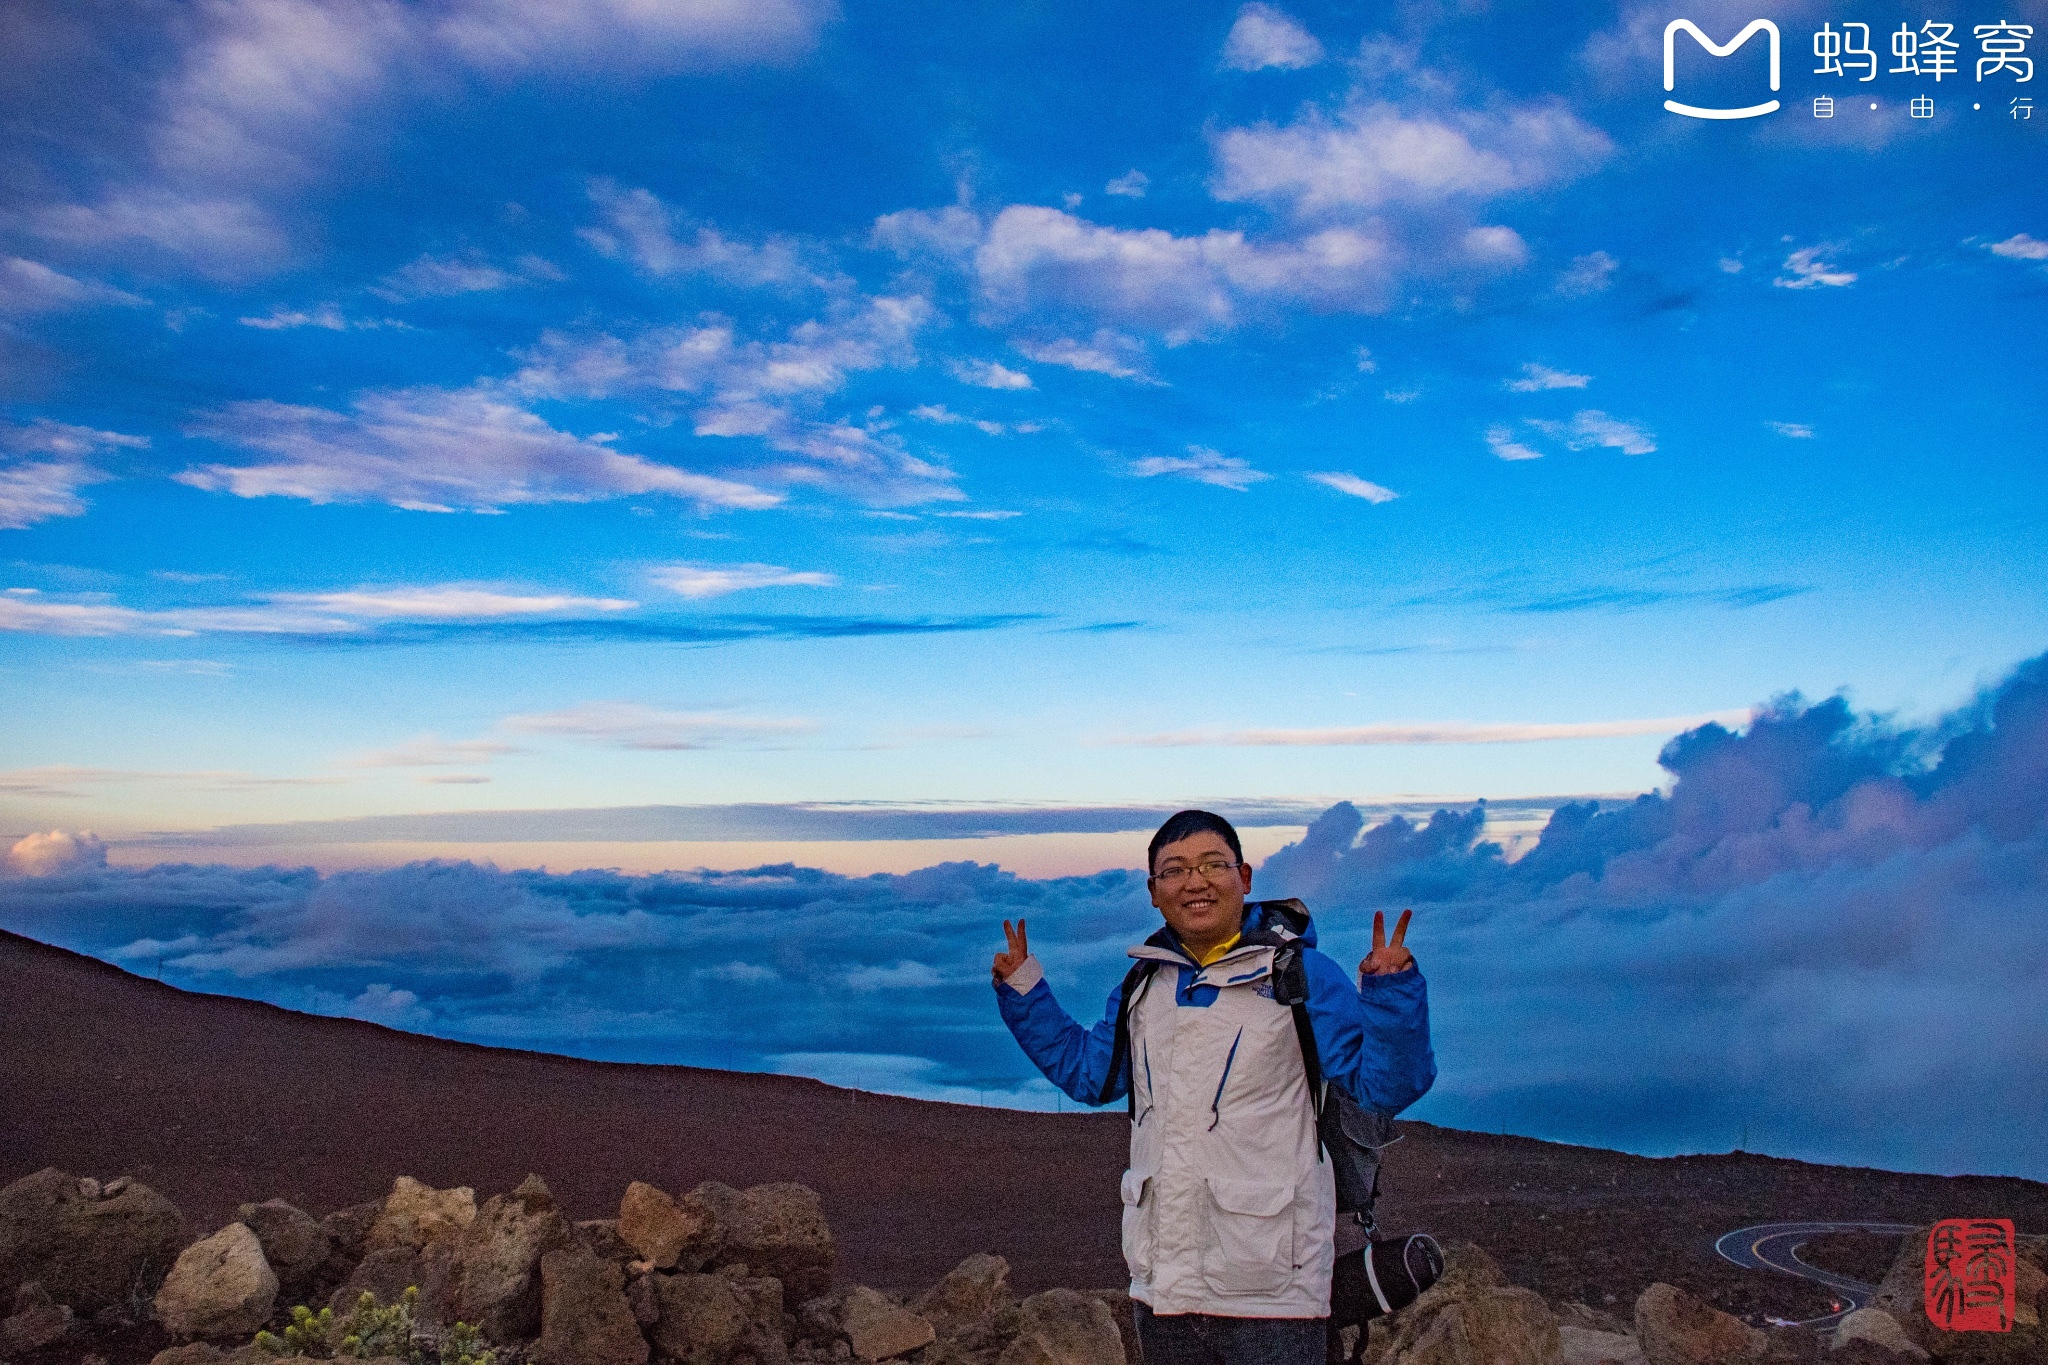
x,y
1828,940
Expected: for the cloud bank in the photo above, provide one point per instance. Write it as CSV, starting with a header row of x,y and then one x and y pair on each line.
x,y
1829,929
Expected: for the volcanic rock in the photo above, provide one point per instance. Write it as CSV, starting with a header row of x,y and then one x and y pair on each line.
x,y
89,1246
668,1235
414,1215
221,1286
1063,1327
294,1242
601,1235
878,1329
498,1255
1585,1346
585,1319
1677,1329
37,1320
1876,1325
777,1230
966,1302
708,1319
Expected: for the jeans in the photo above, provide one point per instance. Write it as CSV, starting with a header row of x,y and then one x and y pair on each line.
x,y
1205,1339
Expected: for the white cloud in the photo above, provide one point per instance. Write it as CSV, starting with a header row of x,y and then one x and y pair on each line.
x,y
45,463
57,852
950,233
603,35
945,416
896,976
225,237
1107,352
1265,37
1537,378
438,450
644,230
991,515
988,374
1588,274
433,277
28,287
1806,270
1800,431
1372,155
1501,441
1355,486
1366,364
449,602
1131,184
1181,286
430,752
326,316
1203,465
698,581
1593,427
1401,395
2021,247
1730,266
629,725
1500,247
1445,732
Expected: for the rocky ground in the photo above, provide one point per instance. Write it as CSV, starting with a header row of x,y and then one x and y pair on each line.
x,y
106,1272
214,1102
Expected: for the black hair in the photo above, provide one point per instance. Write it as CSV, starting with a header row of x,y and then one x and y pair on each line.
x,y
1186,824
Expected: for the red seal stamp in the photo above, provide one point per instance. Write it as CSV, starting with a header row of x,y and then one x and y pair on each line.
x,y
1971,1271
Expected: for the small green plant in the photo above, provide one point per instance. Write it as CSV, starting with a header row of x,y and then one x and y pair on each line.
x,y
372,1331
304,1335
464,1346
369,1331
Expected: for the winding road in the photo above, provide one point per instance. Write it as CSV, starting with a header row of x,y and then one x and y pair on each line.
x,y
1770,1246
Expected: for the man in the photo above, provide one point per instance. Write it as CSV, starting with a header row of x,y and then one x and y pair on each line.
x,y
1229,1207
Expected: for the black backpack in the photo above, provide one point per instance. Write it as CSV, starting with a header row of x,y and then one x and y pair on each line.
x,y
1372,1275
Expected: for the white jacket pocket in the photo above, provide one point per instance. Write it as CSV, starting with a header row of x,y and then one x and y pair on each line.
x,y
1139,1207
1251,1243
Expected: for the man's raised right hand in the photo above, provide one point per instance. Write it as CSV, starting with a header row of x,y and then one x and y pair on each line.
x,y
1010,961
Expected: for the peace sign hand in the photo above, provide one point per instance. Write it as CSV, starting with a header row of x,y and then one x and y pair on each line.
x,y
1386,958
1010,961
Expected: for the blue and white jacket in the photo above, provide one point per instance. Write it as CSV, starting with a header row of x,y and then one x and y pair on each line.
x,y
1228,1208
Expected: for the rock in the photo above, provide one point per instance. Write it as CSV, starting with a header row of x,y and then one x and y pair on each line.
x,y
1063,1327
1877,1326
878,1329
708,1319
968,1298
1677,1329
584,1316
1592,1320
37,1320
817,1321
2029,1280
498,1256
1479,1325
221,1286
1585,1346
778,1230
1118,1301
347,1229
668,1235
385,1274
293,1242
414,1215
643,1296
87,1251
601,1235
192,1353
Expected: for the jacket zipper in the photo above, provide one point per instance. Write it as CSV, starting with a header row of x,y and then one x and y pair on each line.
x,y
1216,1105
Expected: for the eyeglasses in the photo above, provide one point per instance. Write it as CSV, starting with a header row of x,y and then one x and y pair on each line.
x,y
1173,878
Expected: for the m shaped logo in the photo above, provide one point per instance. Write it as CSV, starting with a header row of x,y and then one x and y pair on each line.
x,y
1671,31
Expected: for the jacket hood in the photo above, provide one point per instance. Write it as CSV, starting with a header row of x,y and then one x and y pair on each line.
x,y
1265,922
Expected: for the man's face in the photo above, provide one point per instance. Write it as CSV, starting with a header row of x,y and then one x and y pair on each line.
x,y
1203,912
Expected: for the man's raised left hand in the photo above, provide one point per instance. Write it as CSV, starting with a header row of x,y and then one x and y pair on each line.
x,y
1386,958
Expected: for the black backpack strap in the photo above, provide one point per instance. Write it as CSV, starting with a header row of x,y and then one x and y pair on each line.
x,y
1290,988
1120,1050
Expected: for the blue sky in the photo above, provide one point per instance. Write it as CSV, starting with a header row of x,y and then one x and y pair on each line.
x,y
1028,416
